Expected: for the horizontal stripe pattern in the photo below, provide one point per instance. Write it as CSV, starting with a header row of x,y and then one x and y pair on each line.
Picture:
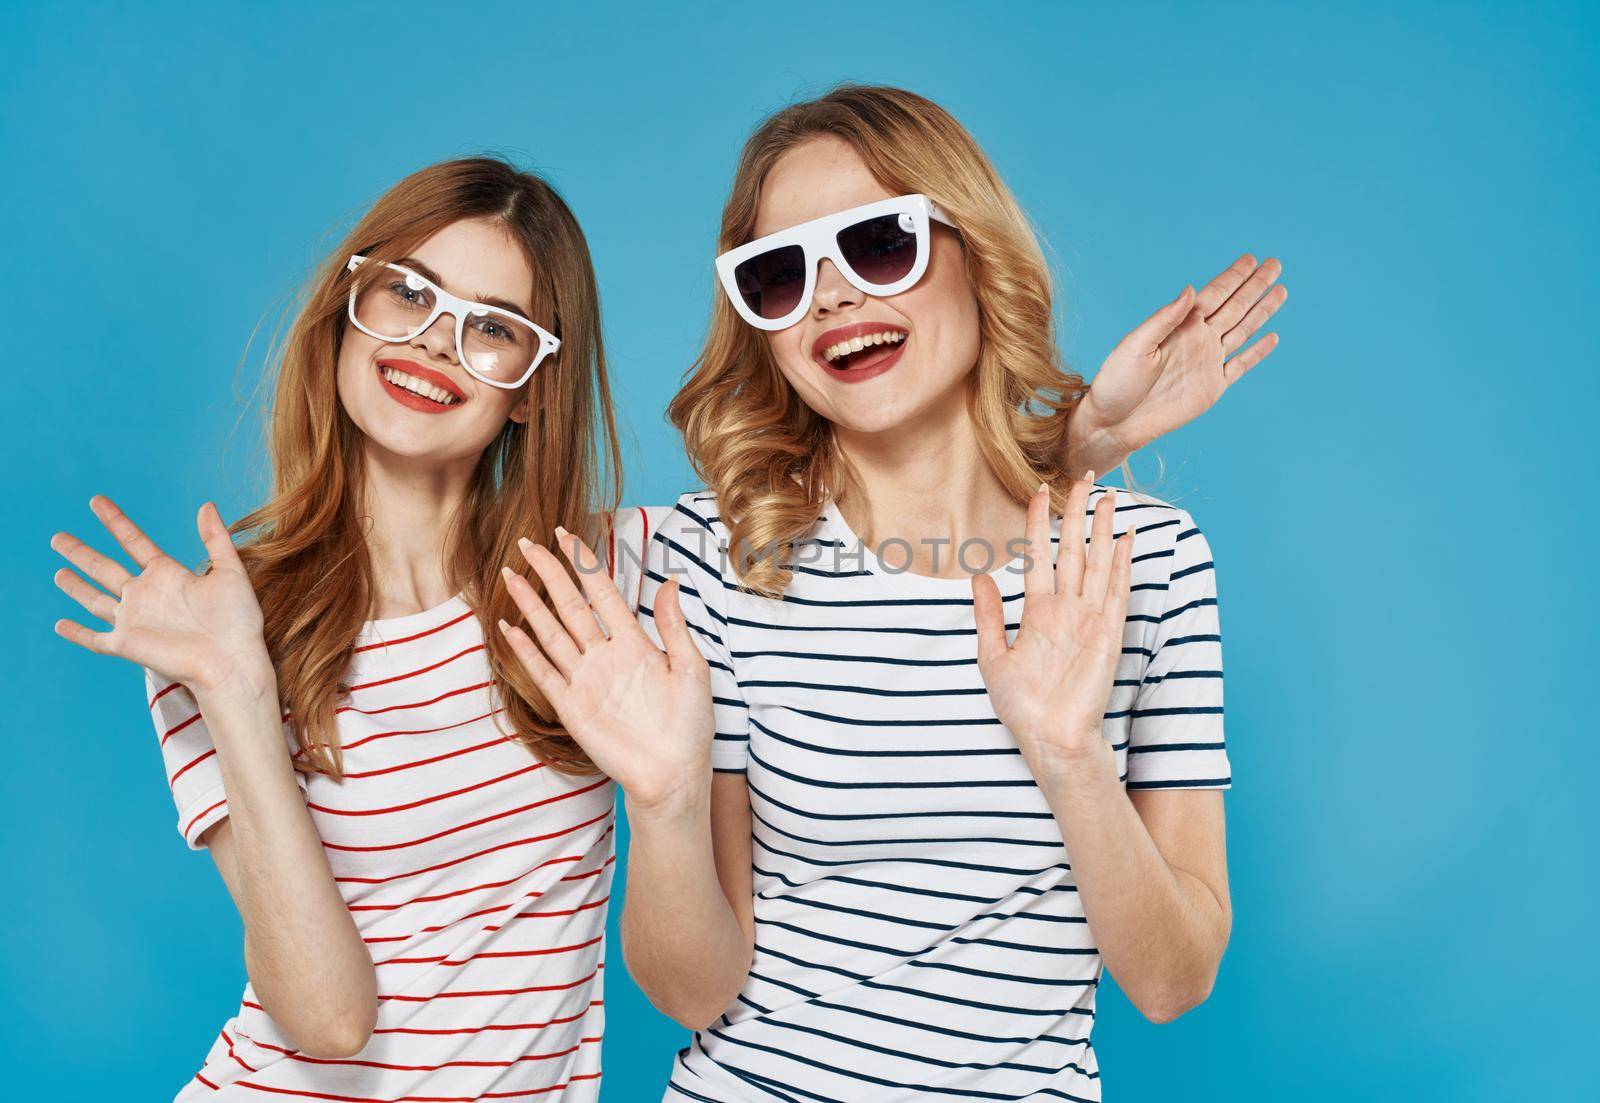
x,y
919,934
477,876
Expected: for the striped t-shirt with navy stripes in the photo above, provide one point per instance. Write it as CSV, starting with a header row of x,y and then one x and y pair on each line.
x,y
919,935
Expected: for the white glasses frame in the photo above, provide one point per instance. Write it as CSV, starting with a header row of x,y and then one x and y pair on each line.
x,y
459,309
819,239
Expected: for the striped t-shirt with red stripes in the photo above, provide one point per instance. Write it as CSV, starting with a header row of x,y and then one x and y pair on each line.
x,y
477,876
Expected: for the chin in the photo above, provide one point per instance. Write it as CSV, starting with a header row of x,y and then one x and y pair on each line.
x,y
869,423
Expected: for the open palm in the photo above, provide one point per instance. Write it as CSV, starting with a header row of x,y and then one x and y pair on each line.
x,y
198,629
643,715
1177,363
1050,685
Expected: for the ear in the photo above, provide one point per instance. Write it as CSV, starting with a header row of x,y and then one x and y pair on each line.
x,y
519,412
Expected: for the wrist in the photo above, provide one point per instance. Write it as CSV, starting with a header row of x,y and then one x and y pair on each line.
x,y
686,802
1071,762
249,681
1087,440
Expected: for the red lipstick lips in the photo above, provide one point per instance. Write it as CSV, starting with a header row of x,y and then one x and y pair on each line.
x,y
411,399
868,362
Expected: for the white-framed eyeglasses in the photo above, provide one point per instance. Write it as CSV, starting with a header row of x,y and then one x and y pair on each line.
x,y
882,248
496,346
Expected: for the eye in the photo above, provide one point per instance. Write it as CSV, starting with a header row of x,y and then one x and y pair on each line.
x,y
402,291
494,329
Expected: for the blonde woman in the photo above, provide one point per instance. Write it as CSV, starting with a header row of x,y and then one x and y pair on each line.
x,y
963,707
420,855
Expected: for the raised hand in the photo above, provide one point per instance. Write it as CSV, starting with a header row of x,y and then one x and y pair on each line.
x,y
643,715
1176,364
1050,685
203,630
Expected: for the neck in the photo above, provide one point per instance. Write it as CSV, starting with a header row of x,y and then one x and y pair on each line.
x,y
408,507
928,484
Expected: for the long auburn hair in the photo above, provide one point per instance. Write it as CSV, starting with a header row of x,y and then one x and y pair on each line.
x,y
305,548
771,460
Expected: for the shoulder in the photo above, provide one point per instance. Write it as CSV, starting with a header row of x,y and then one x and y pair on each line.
x,y
1154,521
1167,539
693,525
631,529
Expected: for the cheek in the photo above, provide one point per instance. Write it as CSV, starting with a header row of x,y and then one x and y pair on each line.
x,y
953,323
355,357
795,365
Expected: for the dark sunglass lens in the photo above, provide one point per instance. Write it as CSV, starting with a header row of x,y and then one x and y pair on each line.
x,y
771,282
880,250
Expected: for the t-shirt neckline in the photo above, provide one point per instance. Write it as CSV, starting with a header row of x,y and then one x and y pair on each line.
x,y
389,627
1007,572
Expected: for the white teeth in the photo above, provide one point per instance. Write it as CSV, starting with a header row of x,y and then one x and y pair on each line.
x,y
856,344
418,386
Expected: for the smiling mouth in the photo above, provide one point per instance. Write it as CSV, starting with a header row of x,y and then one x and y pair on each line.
x,y
863,352
419,387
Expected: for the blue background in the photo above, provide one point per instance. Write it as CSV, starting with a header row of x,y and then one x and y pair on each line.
x,y
1395,500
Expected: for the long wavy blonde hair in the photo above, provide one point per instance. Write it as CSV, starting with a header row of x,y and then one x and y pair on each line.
x,y
305,549
771,460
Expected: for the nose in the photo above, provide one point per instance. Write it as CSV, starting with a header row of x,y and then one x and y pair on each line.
x,y
834,293
439,339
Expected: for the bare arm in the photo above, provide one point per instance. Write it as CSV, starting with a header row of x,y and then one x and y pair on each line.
x,y
306,960
644,714
1151,870
688,930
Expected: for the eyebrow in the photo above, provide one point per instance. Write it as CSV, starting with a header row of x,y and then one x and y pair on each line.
x,y
486,300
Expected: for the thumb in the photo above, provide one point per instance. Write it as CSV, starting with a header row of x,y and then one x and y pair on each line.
x,y
214,535
990,618
682,654
1148,334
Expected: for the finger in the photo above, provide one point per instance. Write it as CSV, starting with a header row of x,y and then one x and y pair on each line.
x,y
1147,336
597,583
569,604
1039,576
682,654
103,569
1228,315
1069,560
545,676
552,637
988,613
1249,358
98,642
97,602
140,547
1258,317
215,536
1097,566
1215,293
1115,606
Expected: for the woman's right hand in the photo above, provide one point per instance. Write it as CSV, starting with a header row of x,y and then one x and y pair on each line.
x,y
203,630
643,715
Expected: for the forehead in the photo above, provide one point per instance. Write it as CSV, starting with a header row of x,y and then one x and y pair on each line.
x,y
818,177
479,259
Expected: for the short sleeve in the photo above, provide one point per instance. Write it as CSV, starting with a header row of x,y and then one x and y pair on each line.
x,y
1175,736
193,774
687,547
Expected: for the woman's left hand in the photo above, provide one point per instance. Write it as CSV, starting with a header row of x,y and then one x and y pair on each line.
x,y
641,713
1050,686
1176,364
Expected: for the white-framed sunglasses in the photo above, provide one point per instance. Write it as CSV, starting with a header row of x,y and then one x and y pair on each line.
x,y
882,248
496,346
